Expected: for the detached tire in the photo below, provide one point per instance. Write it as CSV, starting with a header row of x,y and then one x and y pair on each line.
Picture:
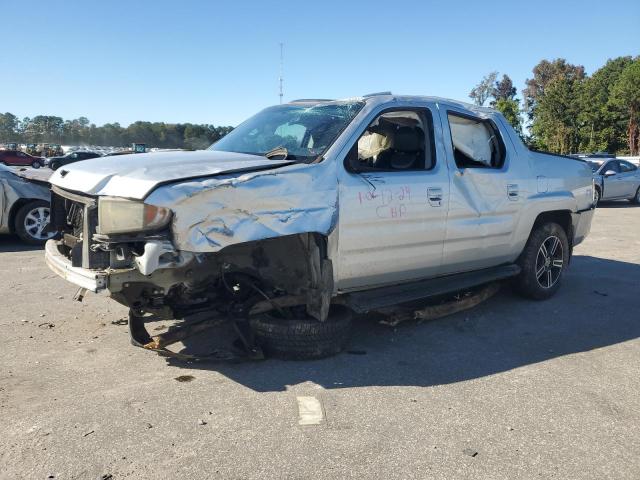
x,y
543,262
303,338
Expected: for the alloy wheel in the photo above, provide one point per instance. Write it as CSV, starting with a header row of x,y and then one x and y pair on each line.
x,y
35,223
549,262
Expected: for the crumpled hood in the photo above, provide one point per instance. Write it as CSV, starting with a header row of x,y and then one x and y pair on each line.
x,y
135,176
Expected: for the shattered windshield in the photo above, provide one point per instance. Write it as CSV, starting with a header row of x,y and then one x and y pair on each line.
x,y
300,132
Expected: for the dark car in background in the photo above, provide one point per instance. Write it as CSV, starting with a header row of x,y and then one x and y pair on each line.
x,y
56,162
16,158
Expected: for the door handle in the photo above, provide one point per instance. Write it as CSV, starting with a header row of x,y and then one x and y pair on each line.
x,y
512,192
435,196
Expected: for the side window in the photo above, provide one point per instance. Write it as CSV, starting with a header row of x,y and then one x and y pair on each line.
x,y
476,143
611,166
398,140
626,167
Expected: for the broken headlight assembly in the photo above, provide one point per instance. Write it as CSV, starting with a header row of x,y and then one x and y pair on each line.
x,y
119,215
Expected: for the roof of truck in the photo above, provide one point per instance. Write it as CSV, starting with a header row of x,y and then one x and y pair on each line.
x,y
383,97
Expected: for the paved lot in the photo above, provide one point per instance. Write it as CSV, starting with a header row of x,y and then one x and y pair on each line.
x,y
538,390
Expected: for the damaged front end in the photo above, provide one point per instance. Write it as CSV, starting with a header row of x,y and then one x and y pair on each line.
x,y
270,265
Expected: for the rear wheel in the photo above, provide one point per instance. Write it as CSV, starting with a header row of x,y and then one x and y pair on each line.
x,y
543,262
54,165
304,337
636,198
31,223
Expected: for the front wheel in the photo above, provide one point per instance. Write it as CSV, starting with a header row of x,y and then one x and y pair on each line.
x,y
636,198
31,223
596,197
54,165
36,164
543,261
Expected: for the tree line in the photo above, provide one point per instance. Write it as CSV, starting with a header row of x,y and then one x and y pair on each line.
x,y
564,110
80,131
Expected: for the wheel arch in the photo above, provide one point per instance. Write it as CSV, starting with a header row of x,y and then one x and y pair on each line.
x,y
562,218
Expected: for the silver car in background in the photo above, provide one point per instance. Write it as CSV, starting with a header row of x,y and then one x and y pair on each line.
x,y
615,179
24,207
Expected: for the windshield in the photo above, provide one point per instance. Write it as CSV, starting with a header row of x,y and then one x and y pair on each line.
x,y
304,131
594,165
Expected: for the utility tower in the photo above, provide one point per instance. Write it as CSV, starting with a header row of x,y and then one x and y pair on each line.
x,y
281,65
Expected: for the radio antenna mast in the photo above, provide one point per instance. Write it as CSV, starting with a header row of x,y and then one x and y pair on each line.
x,y
281,66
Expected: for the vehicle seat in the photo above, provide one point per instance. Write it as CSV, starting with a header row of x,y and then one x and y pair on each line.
x,y
405,152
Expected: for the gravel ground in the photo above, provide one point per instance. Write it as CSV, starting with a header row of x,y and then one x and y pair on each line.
x,y
512,389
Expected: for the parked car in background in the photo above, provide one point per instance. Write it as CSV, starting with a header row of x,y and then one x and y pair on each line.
x,y
315,208
24,207
615,180
20,159
56,162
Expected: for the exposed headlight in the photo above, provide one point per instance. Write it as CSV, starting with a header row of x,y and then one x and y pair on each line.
x,y
119,215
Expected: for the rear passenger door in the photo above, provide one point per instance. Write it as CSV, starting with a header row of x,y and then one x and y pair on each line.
x,y
393,191
629,178
488,186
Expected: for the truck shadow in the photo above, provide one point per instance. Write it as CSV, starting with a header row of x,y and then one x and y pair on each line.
x,y
12,243
595,308
617,204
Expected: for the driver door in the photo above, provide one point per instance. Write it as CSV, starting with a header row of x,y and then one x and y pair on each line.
x,y
613,184
392,213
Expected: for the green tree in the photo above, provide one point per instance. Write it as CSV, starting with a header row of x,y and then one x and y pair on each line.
x,y
510,108
603,126
544,74
504,90
625,96
9,124
483,90
552,103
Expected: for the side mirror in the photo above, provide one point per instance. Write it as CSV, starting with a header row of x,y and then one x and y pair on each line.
x,y
609,173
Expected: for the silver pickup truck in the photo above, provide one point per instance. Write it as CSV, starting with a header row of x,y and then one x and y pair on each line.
x,y
314,209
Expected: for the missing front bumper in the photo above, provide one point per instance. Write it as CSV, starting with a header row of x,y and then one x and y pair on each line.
x,y
93,280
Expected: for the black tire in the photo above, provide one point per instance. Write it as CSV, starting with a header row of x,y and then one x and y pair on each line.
x,y
533,282
36,208
303,338
596,197
36,164
54,165
636,197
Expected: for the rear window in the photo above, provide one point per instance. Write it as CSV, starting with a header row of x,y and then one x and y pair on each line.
x,y
476,142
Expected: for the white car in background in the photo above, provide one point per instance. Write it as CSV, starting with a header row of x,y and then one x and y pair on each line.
x,y
24,207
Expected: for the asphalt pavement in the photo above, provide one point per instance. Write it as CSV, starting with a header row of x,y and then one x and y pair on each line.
x,y
513,389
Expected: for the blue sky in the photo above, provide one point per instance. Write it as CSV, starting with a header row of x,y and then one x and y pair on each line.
x,y
217,62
